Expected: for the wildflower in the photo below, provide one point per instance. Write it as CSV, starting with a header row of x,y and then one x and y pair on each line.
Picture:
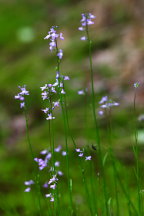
x,y
83,38
81,92
60,173
57,163
50,117
64,153
107,102
58,148
81,154
136,85
30,182
60,54
27,189
78,150
43,152
62,91
100,112
53,186
53,36
46,110
103,100
21,96
88,158
48,195
53,179
45,185
52,199
85,21
66,78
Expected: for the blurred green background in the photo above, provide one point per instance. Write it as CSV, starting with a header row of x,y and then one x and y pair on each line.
x,y
118,59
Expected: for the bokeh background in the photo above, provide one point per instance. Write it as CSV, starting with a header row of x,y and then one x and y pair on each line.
x,y
118,60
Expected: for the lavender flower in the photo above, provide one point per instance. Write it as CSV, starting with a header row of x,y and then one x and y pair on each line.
x,y
88,158
107,102
85,21
64,153
81,92
21,96
57,163
60,54
58,148
27,189
30,182
50,117
53,36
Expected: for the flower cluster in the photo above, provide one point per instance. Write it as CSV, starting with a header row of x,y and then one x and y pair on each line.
x,y
81,154
49,90
21,96
53,36
85,21
105,102
28,183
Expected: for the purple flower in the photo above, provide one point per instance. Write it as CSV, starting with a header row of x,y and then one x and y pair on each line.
x,y
83,38
60,54
57,163
50,117
60,173
100,112
58,148
64,153
103,100
88,158
81,154
81,92
48,195
53,36
45,185
27,189
21,95
43,152
52,199
30,182
53,186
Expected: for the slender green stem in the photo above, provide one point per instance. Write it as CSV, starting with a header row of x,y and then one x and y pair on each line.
x,y
136,154
65,130
113,160
32,155
95,119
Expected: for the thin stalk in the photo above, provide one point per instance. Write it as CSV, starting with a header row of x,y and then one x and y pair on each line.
x,y
66,132
52,145
113,160
95,118
32,155
136,154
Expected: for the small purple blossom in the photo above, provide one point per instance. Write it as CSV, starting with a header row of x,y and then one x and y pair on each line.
x,y
81,154
60,173
53,36
43,152
88,158
30,182
50,117
27,189
83,38
57,163
64,153
81,92
53,186
21,95
100,112
48,195
60,54
58,148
